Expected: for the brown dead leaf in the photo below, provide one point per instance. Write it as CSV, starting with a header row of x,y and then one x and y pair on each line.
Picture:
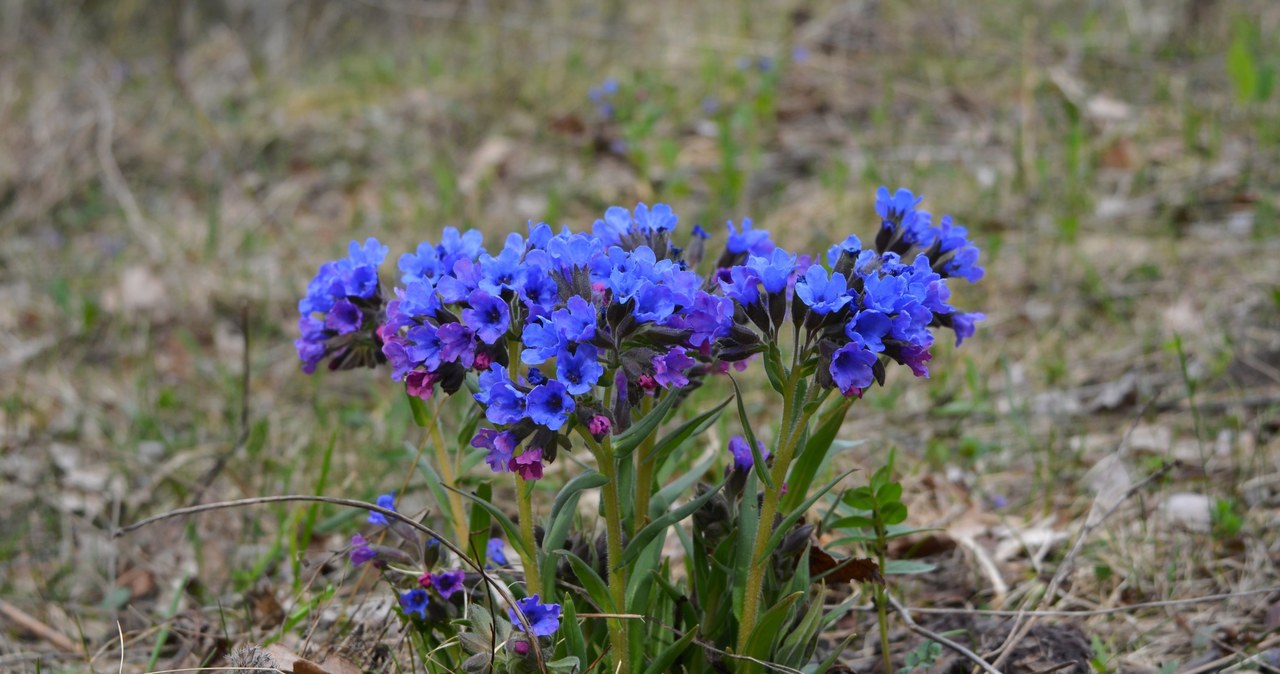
x,y
265,608
307,667
337,664
843,570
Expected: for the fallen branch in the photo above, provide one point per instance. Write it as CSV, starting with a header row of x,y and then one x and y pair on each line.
x,y
911,624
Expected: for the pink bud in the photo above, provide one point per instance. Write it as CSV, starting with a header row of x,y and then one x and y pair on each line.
x,y
425,579
599,425
483,360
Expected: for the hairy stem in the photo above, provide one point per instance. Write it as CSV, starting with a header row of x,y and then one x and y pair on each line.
x,y
456,509
788,436
524,502
613,533
644,473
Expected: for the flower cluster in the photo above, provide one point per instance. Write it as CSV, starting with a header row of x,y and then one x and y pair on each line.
x,y
557,331
341,310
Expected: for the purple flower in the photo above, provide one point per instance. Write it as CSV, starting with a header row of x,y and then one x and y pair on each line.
x,y
851,369
550,404
741,450
360,551
387,501
448,582
579,371
344,317
528,465
544,619
668,369
415,601
496,552
421,384
488,316
820,294
710,318
964,325
501,446
915,357
457,344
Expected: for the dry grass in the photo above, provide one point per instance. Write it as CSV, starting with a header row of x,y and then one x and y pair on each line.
x,y
166,169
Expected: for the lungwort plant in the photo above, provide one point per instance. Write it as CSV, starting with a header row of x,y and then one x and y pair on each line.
x,y
602,351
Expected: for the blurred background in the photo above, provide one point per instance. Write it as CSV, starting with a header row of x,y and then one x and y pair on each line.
x,y
172,174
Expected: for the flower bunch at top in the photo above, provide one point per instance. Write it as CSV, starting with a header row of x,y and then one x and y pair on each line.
x,y
559,329
341,311
556,331
871,303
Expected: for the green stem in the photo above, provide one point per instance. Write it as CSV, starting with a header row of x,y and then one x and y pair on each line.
x,y
618,627
788,437
882,602
644,473
524,502
456,509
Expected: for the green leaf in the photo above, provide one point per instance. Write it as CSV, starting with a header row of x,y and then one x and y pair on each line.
x,y
418,406
639,572
756,457
893,513
882,477
562,512
659,526
663,499
766,631
625,442
596,588
574,642
479,523
889,493
861,498
906,567
513,533
854,522
785,525
1241,64
813,454
831,659
663,663
797,643
688,429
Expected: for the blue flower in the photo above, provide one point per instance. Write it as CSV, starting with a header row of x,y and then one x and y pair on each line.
x,y
542,340
448,582
550,405
504,404
820,294
851,369
496,552
654,303
415,601
424,265
754,241
869,328
850,246
500,273
544,619
660,219
741,450
579,371
740,283
387,501
668,368
774,271
488,316
455,246
892,207
963,324
577,321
